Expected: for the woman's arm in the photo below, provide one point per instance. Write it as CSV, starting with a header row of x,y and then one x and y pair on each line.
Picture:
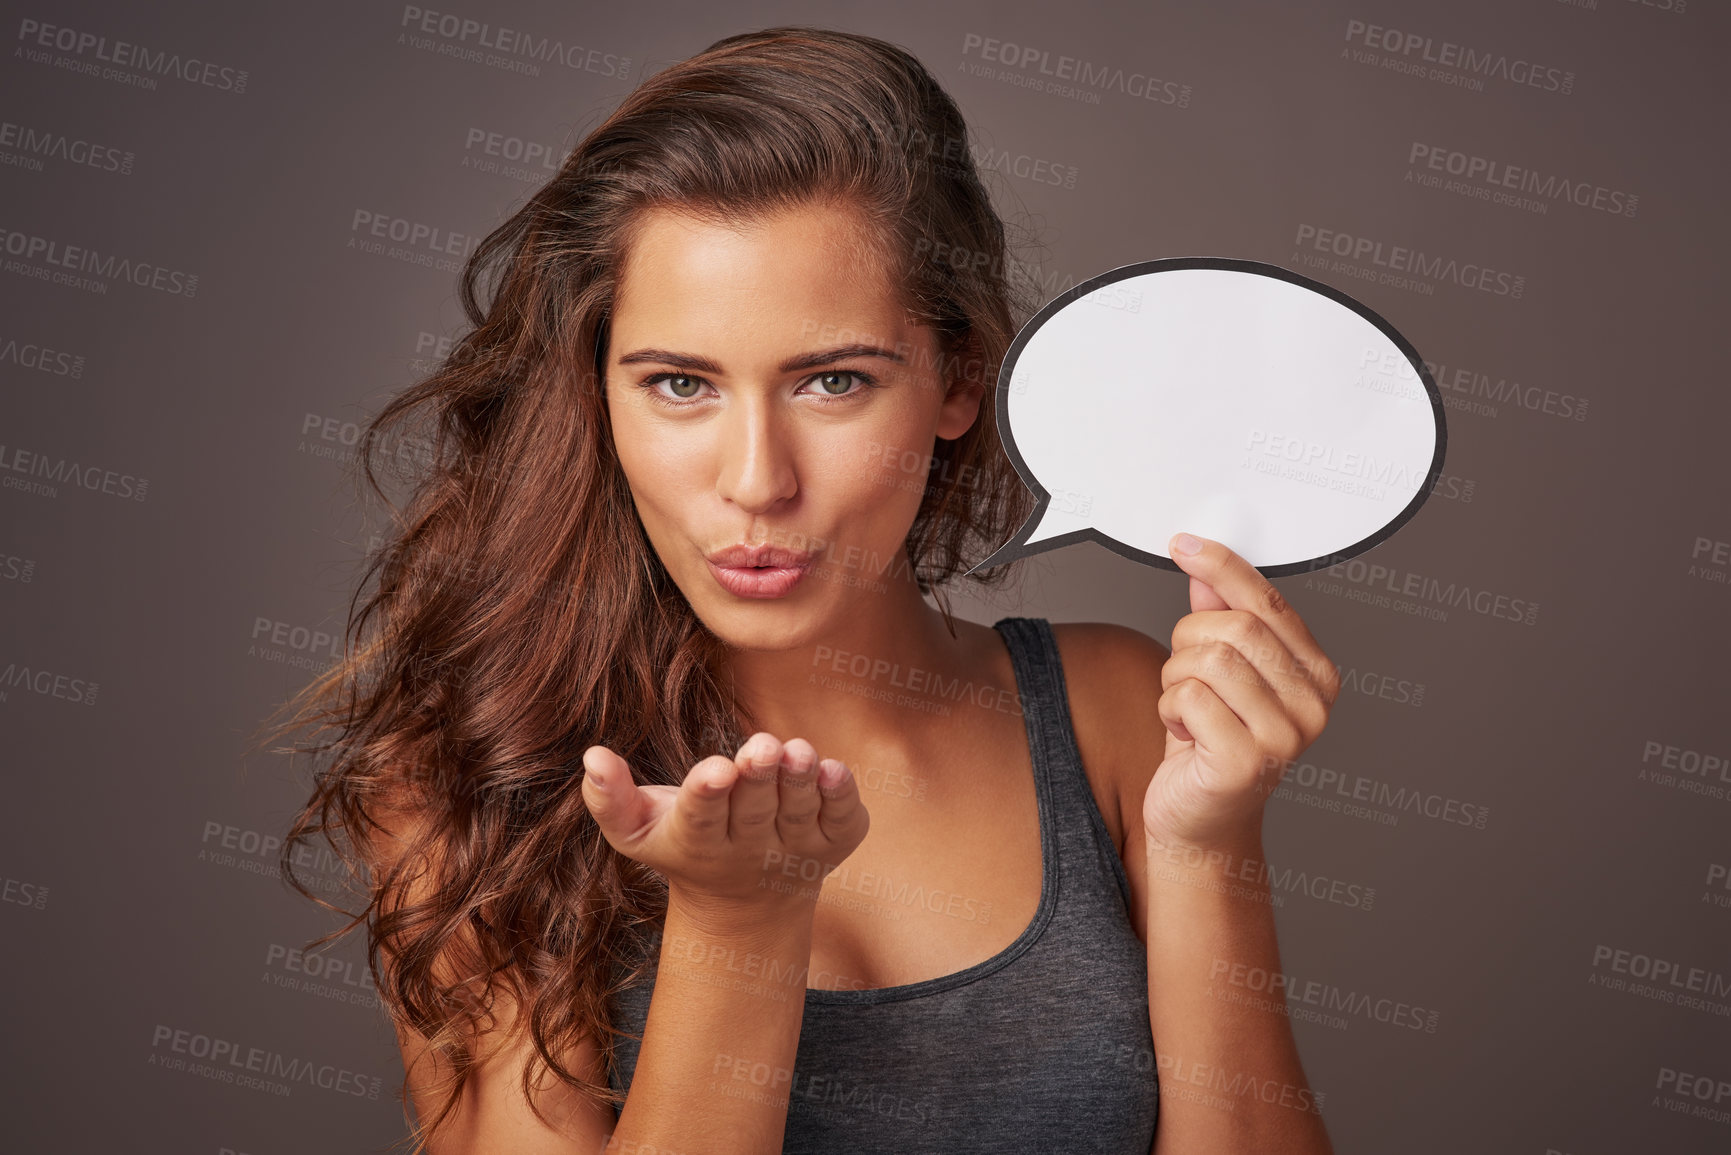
x,y
711,1067
1230,1075
491,1114
715,1068
718,1046
1245,690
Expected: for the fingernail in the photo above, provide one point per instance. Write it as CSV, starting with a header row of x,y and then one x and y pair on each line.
x,y
1186,544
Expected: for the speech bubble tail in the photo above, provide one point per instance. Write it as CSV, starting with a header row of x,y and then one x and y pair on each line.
x,y
1035,536
1006,553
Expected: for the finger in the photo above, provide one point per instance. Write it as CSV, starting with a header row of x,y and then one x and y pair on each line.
x,y
1256,705
705,797
1294,680
1239,584
799,799
1216,730
1203,597
757,794
621,810
610,793
842,808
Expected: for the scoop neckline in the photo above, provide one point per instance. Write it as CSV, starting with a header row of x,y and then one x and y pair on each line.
x,y
1048,866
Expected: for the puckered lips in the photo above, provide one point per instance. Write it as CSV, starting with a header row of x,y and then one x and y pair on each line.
x,y
758,571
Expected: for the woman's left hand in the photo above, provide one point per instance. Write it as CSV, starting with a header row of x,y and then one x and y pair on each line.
x,y
1246,690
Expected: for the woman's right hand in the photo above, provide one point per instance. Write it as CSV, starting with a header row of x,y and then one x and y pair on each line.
x,y
757,832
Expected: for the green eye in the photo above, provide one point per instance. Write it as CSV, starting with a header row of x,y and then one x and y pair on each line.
x,y
836,385
683,386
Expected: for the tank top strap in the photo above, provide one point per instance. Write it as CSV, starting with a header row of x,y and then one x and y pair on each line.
x,y
1045,703
1058,770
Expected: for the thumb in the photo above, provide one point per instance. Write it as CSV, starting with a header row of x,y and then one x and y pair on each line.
x,y
1202,595
610,792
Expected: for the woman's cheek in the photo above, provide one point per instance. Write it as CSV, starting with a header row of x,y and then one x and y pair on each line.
x,y
859,476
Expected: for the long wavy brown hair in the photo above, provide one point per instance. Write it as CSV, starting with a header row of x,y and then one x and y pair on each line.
x,y
516,613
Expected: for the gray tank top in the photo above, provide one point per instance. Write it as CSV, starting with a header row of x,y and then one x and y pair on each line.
x,y
1045,1046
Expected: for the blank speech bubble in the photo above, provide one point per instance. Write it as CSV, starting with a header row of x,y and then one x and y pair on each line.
x,y
1232,399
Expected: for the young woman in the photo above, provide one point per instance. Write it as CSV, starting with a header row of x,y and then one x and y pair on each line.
x,y
689,824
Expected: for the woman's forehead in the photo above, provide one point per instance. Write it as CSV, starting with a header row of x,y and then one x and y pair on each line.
x,y
800,277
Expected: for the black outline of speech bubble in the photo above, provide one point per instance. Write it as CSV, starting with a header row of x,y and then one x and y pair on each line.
x,y
1017,546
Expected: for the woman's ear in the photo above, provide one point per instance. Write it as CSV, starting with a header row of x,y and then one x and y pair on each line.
x,y
965,388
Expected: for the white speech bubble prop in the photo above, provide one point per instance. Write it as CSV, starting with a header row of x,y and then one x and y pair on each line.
x,y
1233,399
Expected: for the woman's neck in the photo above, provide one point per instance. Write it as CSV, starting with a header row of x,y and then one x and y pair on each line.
x,y
877,677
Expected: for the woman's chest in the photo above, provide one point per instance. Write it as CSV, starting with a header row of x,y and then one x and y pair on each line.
x,y
942,882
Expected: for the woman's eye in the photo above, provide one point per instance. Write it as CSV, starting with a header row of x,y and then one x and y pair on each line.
x,y
839,382
673,388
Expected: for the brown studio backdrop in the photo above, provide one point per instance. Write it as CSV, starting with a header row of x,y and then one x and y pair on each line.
x,y
1532,957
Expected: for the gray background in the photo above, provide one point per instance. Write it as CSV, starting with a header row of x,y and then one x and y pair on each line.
x,y
132,902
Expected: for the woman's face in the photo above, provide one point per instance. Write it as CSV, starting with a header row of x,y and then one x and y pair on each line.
x,y
767,390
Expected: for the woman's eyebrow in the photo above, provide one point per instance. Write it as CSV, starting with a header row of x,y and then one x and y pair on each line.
x,y
804,361
825,356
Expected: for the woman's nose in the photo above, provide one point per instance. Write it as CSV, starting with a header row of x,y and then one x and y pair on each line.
x,y
757,467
